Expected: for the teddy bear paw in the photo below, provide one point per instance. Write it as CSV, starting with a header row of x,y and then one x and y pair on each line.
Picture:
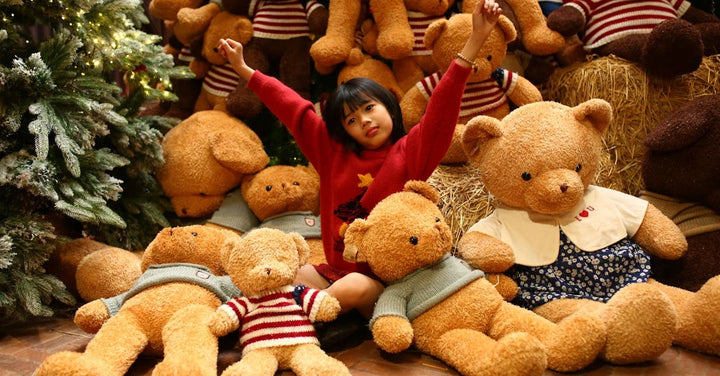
x,y
184,367
699,327
673,48
329,50
641,324
576,343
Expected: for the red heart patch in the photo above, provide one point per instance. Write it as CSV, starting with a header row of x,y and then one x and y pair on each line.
x,y
584,213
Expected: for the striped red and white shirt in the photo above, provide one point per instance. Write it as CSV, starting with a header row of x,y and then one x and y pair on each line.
x,y
185,54
419,23
281,19
478,97
274,318
221,80
606,21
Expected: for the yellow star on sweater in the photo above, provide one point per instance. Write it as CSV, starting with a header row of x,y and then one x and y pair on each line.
x,y
365,180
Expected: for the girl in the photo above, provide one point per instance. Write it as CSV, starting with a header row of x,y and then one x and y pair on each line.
x,y
361,151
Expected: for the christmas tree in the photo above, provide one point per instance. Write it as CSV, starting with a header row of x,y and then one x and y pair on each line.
x,y
74,75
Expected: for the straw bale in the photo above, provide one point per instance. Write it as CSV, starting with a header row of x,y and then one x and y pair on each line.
x,y
638,102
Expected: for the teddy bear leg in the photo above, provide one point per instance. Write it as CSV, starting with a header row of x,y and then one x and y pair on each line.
x,y
310,360
111,352
243,102
395,38
698,319
537,38
295,65
261,362
190,347
571,344
473,353
641,324
334,47
674,47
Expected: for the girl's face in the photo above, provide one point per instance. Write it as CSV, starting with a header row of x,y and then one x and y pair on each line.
x,y
370,125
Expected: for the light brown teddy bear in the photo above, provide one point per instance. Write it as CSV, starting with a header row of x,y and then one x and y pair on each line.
x,y
274,316
489,90
281,197
579,247
446,308
220,79
166,313
94,270
207,155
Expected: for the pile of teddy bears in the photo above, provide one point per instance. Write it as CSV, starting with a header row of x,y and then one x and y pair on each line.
x,y
594,274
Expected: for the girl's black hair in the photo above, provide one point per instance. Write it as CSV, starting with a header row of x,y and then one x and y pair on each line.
x,y
353,94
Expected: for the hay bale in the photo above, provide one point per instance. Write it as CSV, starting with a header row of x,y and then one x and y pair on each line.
x,y
638,102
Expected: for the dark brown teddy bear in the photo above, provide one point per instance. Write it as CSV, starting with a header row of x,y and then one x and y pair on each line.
x,y
680,169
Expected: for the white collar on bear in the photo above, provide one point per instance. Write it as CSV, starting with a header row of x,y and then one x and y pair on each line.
x,y
602,218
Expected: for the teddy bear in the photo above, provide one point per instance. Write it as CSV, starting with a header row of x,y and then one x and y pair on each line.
x,y
578,247
92,269
280,46
447,308
166,313
679,170
274,316
219,78
280,197
207,155
194,18
666,38
495,87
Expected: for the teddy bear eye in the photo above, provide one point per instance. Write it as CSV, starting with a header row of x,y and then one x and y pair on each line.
x,y
268,188
413,240
193,233
578,167
437,219
526,176
489,57
296,183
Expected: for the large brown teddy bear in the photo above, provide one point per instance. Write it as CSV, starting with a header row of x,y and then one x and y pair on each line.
x,y
280,46
281,197
166,313
207,155
578,247
680,170
220,81
447,309
495,87
666,38
274,316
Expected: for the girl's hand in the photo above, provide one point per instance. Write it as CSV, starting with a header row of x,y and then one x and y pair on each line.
x,y
485,15
233,51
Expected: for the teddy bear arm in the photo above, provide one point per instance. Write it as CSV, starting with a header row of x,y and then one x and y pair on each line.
x,y
412,106
659,236
318,20
485,252
696,16
392,333
525,92
199,67
566,20
91,316
192,22
328,310
221,323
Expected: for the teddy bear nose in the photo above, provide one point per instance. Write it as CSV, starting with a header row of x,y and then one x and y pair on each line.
x,y
563,187
268,271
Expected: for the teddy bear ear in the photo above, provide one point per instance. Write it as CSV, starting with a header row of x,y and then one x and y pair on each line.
x,y
478,131
230,243
423,189
434,31
302,246
596,111
352,235
507,28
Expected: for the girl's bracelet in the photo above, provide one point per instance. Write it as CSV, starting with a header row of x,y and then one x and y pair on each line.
x,y
465,59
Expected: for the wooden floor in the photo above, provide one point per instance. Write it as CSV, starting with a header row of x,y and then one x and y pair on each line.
x,y
23,348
